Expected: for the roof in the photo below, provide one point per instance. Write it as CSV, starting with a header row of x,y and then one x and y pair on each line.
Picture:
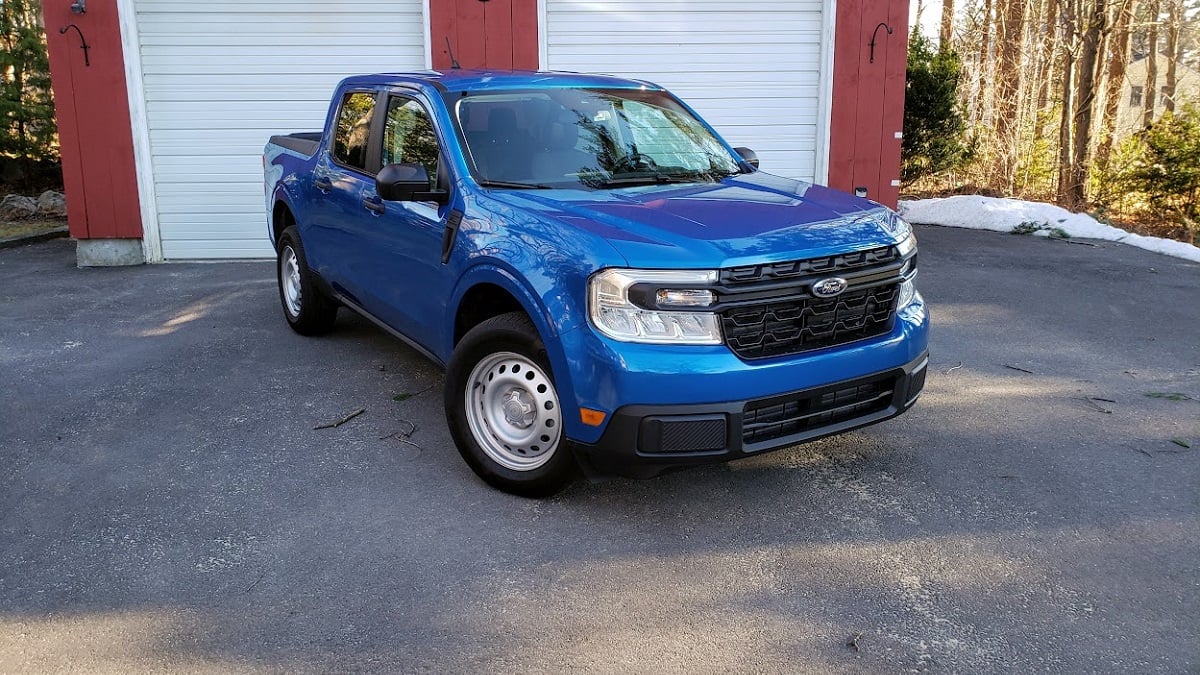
x,y
499,80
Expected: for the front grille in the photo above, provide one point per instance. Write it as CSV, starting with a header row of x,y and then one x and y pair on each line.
x,y
798,325
833,264
769,310
778,417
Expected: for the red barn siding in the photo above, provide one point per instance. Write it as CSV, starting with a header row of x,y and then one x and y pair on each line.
x,y
868,98
496,34
94,128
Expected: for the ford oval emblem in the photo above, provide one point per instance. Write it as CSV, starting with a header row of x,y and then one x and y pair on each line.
x,y
829,288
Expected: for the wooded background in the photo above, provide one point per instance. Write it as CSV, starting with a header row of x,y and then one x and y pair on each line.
x,y
1043,89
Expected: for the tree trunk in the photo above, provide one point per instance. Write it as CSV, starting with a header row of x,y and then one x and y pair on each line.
x,y
1010,39
1050,39
985,45
946,36
1114,84
1064,128
1174,24
1149,91
1085,106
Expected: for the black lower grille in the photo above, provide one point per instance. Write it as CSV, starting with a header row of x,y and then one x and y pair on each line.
x,y
790,326
785,416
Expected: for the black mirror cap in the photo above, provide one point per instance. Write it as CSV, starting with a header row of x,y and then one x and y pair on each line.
x,y
402,183
748,156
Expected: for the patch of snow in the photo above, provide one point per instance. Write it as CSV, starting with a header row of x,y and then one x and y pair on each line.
x,y
1002,215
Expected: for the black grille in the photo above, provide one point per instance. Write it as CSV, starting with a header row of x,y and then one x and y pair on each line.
x,y
790,326
786,416
799,268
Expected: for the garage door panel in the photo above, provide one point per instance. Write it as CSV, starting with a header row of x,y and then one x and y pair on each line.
x,y
221,77
752,69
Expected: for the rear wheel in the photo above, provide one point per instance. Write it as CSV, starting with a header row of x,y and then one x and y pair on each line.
x,y
307,309
503,409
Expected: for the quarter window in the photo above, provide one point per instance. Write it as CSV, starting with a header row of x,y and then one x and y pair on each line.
x,y
353,129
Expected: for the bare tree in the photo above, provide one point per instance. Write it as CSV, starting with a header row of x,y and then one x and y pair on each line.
x,y
1149,92
1069,11
946,35
1118,55
1095,25
1010,38
1174,26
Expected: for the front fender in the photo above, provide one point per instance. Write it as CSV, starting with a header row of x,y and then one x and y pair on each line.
x,y
546,321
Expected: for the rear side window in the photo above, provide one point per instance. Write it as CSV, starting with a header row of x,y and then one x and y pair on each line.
x,y
353,129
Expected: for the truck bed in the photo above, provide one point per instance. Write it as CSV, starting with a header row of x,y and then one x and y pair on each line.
x,y
305,143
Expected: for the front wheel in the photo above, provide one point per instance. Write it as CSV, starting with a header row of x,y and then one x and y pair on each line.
x,y
503,409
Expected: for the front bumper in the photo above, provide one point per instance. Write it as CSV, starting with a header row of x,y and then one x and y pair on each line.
x,y
644,440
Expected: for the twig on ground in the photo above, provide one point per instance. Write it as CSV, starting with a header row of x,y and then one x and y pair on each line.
x,y
853,642
1181,442
954,368
1072,241
1106,400
405,396
1095,406
412,429
347,418
1018,368
1170,396
260,578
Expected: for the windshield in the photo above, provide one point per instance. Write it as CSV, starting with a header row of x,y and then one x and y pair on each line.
x,y
598,139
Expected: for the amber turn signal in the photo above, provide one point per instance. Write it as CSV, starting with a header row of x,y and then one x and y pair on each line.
x,y
592,418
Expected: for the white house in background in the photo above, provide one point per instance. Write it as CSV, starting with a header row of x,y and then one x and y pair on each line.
x,y
1134,92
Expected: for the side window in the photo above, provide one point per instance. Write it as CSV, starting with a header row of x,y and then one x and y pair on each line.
x,y
353,129
408,137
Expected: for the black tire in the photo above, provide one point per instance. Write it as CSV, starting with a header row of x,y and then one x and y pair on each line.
x,y
307,309
503,409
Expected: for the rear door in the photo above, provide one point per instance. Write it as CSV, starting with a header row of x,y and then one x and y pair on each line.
x,y
343,172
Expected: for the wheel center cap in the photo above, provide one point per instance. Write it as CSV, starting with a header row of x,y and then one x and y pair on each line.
x,y
518,408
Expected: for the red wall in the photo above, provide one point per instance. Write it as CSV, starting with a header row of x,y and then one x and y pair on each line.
x,y
94,128
868,98
488,34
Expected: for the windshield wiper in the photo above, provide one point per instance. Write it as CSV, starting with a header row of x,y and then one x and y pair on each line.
x,y
647,179
665,178
514,185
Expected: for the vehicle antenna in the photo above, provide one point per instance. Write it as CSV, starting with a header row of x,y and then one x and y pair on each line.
x,y
453,61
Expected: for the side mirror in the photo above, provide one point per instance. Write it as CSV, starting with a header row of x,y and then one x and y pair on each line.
x,y
748,155
406,183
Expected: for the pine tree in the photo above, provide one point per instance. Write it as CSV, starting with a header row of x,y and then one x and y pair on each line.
x,y
27,129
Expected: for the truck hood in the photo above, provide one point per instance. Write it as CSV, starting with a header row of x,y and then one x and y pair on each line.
x,y
747,219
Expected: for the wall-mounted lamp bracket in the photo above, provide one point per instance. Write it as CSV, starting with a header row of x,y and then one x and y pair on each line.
x,y
82,42
876,32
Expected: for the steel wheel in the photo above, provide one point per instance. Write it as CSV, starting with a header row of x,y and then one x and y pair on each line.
x,y
307,309
513,411
289,276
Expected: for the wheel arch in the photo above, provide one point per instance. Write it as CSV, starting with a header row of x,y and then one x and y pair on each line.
x,y
282,216
488,290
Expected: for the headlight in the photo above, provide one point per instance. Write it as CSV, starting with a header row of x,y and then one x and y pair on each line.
x,y
908,288
617,316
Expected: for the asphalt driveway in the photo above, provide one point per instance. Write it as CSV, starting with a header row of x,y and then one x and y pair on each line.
x,y
167,505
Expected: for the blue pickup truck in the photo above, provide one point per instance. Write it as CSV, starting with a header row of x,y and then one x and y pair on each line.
x,y
610,286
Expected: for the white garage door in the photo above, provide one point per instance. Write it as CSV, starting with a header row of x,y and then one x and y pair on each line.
x,y
752,69
221,77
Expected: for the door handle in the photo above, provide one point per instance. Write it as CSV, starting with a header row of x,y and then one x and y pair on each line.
x,y
374,206
323,184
